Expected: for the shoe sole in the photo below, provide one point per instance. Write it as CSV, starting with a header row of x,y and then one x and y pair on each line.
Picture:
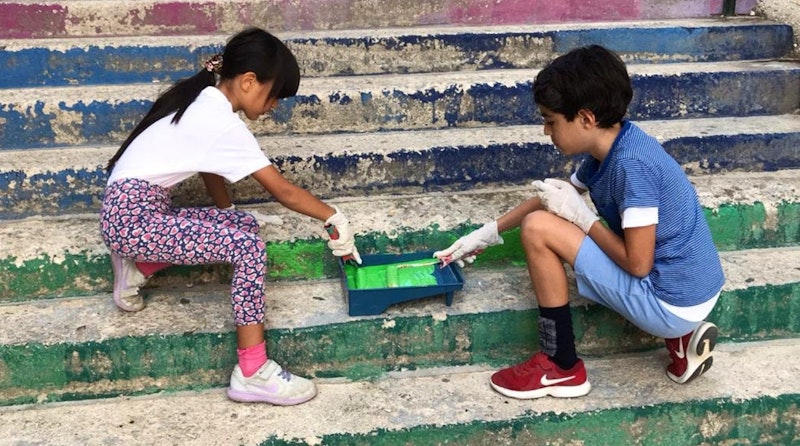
x,y
554,391
699,351
246,397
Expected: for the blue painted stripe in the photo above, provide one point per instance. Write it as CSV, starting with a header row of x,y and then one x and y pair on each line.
x,y
440,168
135,63
688,95
685,44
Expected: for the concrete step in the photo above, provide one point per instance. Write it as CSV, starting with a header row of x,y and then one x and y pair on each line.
x,y
119,60
26,19
58,181
65,116
631,402
65,349
68,257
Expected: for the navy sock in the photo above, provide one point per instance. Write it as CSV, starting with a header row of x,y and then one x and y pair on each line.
x,y
556,337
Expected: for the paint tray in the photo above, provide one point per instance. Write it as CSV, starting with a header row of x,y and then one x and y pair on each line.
x,y
386,279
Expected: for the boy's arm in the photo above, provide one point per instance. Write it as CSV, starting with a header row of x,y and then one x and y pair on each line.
x,y
635,253
215,185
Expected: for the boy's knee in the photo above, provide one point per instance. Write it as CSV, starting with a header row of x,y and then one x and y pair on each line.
x,y
534,226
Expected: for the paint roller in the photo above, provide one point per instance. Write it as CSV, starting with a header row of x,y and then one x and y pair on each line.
x,y
392,280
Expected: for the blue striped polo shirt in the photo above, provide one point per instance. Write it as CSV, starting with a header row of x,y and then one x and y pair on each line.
x,y
639,173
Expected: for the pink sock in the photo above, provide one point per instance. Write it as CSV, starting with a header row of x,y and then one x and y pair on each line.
x,y
252,358
148,269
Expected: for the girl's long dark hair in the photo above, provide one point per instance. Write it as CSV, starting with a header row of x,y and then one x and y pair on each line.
x,y
252,50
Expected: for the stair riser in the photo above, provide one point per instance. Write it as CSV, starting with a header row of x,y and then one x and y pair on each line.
x,y
771,420
99,62
92,18
135,365
33,122
41,191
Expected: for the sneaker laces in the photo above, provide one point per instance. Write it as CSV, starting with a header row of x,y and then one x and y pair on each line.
x,y
535,363
285,374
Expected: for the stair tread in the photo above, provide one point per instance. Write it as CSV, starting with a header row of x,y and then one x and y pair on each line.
x,y
293,305
397,401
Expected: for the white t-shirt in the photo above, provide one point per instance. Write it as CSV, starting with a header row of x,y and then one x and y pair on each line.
x,y
209,138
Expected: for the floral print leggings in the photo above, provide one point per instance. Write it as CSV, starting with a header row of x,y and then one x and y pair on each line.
x,y
137,222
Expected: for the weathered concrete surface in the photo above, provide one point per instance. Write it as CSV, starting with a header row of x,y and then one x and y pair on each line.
x,y
85,348
745,210
55,116
87,18
294,305
71,180
784,11
120,60
631,388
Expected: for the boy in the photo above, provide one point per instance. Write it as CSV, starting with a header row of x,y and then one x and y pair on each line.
x,y
655,262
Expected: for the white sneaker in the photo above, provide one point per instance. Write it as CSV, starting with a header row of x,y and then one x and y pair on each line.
x,y
270,384
127,280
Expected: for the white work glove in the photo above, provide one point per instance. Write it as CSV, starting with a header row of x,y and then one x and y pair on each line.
x,y
261,219
467,247
561,198
342,241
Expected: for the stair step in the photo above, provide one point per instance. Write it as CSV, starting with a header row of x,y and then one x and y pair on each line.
x,y
119,60
83,348
456,404
57,181
744,210
58,116
26,19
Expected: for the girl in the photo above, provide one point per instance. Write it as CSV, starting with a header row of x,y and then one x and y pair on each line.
x,y
193,128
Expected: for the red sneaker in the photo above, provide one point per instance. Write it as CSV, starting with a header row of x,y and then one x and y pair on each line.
x,y
538,377
691,353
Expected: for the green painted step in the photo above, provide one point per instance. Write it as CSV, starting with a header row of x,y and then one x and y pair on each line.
x,y
745,210
631,403
69,349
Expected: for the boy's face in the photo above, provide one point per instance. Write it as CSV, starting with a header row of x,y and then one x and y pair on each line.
x,y
570,137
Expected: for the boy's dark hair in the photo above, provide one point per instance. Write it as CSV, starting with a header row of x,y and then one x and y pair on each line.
x,y
252,50
592,78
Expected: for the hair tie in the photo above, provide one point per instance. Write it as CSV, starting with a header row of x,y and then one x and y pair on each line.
x,y
214,64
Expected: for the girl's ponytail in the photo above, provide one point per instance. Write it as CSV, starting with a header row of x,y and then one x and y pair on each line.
x,y
252,50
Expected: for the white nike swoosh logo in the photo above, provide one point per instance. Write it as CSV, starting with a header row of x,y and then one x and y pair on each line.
x,y
549,382
680,353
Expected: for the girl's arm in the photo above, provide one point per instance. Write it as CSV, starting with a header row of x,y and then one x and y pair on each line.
x,y
292,196
635,253
215,185
513,218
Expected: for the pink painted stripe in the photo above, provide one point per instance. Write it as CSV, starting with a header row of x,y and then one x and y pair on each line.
x,y
21,21
179,17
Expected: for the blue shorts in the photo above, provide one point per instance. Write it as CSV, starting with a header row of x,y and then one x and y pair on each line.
x,y
603,281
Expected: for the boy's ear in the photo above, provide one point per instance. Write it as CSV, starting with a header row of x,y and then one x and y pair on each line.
x,y
587,117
